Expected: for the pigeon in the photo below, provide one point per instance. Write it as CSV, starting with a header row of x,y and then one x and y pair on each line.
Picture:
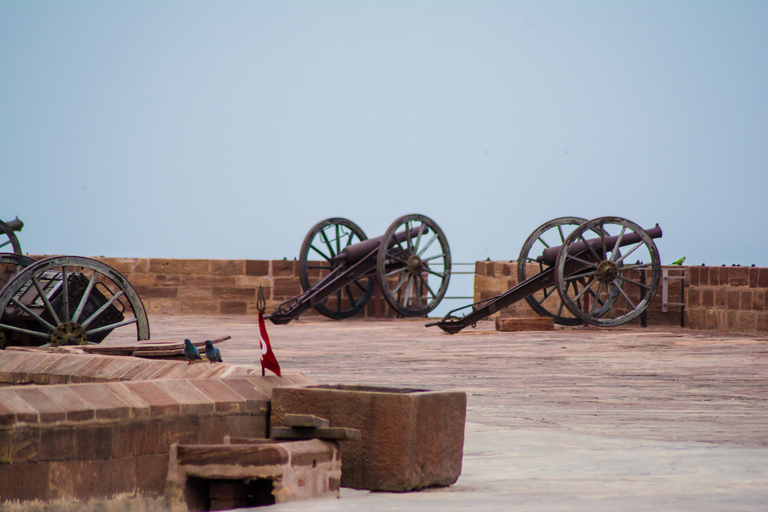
x,y
678,262
191,351
212,353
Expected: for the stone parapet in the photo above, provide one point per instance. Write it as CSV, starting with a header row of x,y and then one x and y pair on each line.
x,y
411,438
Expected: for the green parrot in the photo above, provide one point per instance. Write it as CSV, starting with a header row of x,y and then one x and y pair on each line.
x,y
678,262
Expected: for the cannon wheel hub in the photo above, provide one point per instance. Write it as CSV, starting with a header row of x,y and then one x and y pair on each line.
x,y
414,264
68,333
607,271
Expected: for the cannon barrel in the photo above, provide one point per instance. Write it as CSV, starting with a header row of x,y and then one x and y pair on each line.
x,y
549,256
15,224
355,252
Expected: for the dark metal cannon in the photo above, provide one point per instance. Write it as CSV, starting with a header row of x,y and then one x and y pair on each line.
x,y
599,272
64,300
339,267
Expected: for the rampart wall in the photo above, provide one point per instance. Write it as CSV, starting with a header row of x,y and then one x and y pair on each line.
x,y
725,299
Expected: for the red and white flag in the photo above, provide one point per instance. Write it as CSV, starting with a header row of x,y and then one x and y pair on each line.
x,y
268,359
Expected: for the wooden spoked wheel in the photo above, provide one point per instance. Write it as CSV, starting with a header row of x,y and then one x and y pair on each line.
x,y
616,280
323,242
414,265
546,302
69,300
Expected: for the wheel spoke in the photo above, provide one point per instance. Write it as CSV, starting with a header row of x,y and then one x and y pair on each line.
x,y
47,303
350,296
426,284
418,240
65,291
85,297
545,243
6,243
624,294
321,253
103,308
632,281
427,245
33,315
584,290
583,262
443,255
110,326
634,248
400,283
436,274
583,274
25,331
616,246
407,293
589,247
327,243
338,301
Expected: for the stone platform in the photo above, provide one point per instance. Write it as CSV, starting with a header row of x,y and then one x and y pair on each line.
x,y
624,419
573,419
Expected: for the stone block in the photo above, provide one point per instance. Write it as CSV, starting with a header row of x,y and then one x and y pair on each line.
x,y
200,308
283,268
151,474
224,398
160,403
738,276
762,278
165,266
286,287
93,442
135,438
160,292
539,323
195,267
257,267
411,438
164,280
57,443
182,430
233,307
210,280
24,481
227,267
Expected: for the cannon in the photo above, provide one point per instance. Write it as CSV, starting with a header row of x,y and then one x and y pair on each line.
x,y
339,267
63,300
8,237
599,270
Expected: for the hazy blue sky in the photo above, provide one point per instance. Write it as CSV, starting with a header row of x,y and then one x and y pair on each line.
x,y
226,129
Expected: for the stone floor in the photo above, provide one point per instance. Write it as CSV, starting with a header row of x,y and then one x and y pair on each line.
x,y
572,419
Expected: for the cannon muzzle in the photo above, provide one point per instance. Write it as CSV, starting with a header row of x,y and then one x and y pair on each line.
x,y
549,256
15,224
356,252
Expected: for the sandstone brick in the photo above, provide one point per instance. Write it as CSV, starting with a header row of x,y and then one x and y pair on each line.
x,y
721,297
693,297
73,480
539,323
118,476
195,293
136,438
161,306
762,278
481,268
738,276
257,267
253,282
210,280
714,276
696,318
754,273
169,280
182,430
48,410
733,300
228,267
76,408
758,300
233,307
153,470
93,442
57,443
762,322
746,300
707,297
160,403
283,268
746,322
165,266
694,275
233,292
160,292
200,308
190,399
286,287
24,481
195,266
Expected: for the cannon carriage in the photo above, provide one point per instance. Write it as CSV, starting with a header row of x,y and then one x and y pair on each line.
x,y
605,271
340,267
62,300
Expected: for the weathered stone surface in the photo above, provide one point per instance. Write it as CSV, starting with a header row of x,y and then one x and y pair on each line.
x,y
539,323
411,438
